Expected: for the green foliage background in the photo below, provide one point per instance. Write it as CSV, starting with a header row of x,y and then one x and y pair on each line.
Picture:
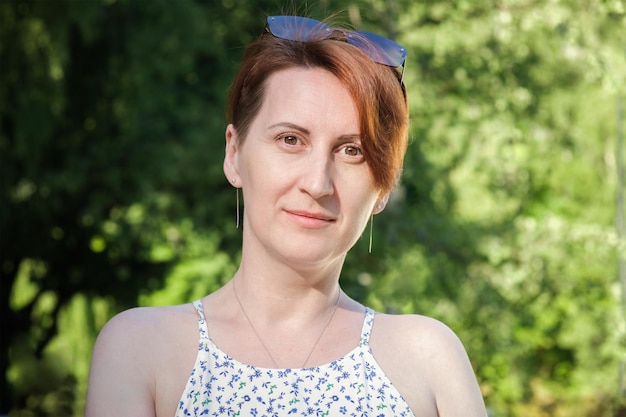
x,y
112,192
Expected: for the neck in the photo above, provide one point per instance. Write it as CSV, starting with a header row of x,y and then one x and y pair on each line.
x,y
280,299
280,288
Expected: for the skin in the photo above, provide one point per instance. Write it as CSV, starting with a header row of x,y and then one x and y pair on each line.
x,y
308,195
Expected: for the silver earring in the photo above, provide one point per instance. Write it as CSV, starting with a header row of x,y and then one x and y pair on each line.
x,y
234,181
237,198
371,231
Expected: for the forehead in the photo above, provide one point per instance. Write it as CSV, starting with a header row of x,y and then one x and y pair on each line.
x,y
311,96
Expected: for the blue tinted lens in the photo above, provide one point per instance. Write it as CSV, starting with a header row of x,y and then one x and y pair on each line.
x,y
379,48
295,28
303,29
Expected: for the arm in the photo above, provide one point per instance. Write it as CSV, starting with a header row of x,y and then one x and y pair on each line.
x,y
120,379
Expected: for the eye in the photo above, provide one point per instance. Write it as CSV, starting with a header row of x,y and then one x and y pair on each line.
x,y
290,140
352,150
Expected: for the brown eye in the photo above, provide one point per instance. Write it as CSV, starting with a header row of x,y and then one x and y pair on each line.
x,y
352,151
290,140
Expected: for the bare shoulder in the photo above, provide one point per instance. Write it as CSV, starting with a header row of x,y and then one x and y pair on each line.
x,y
427,362
418,342
128,357
139,322
131,332
414,328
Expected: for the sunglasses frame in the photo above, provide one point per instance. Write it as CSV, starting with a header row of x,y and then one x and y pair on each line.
x,y
381,50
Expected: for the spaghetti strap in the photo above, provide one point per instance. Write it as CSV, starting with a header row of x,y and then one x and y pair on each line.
x,y
202,324
368,323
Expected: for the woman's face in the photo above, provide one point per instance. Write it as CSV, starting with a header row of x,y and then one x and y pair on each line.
x,y
307,189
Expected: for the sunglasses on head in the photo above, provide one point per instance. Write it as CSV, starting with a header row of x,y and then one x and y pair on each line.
x,y
303,29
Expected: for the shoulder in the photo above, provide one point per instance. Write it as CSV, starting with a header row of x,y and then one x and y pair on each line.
x,y
424,354
415,329
423,342
139,321
144,334
132,329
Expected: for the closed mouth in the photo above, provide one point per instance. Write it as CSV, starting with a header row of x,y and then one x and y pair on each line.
x,y
310,215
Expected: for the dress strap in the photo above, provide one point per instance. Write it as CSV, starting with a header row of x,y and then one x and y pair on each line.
x,y
368,323
202,324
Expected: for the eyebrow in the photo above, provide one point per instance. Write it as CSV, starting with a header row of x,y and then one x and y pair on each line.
x,y
290,126
305,131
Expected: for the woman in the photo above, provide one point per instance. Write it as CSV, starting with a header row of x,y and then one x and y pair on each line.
x,y
318,130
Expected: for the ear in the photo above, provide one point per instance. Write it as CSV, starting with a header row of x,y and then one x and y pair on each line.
x,y
381,203
231,156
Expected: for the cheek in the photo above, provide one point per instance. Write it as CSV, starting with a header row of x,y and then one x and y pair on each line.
x,y
263,179
360,201
358,185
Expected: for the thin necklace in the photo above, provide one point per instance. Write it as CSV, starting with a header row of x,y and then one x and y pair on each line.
x,y
243,310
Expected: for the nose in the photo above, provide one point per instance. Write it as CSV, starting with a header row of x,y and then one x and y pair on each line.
x,y
316,177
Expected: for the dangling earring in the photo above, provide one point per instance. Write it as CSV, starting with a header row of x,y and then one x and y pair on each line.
x,y
237,197
371,231
237,201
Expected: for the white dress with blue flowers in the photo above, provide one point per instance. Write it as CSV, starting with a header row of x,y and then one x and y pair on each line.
x,y
353,385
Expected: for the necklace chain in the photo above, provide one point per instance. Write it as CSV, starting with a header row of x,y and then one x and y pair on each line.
x,y
243,310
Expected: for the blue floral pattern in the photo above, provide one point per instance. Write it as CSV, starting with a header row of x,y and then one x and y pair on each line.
x,y
353,385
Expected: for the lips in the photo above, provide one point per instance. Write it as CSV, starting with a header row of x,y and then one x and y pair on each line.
x,y
310,219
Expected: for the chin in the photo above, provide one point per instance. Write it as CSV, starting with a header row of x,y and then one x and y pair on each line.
x,y
310,255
